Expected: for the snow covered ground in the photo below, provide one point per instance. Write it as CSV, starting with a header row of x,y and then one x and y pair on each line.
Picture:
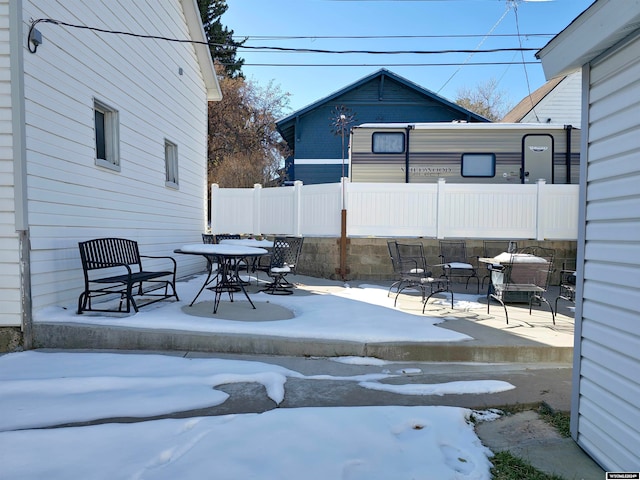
x,y
41,389
363,314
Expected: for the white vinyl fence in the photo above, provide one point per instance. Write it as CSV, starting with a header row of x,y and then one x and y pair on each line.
x,y
440,210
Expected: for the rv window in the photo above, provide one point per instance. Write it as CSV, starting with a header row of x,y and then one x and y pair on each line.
x,y
388,142
478,165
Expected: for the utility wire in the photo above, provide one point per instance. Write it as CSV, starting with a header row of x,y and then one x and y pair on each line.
x,y
526,74
383,52
382,37
453,64
476,51
278,49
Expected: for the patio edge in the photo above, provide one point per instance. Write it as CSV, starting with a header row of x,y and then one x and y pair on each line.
x,y
81,336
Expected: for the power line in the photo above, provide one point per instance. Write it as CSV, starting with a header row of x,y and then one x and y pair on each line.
x,y
382,37
383,52
454,64
277,49
471,55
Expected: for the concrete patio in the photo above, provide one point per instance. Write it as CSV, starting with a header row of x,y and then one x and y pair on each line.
x,y
526,339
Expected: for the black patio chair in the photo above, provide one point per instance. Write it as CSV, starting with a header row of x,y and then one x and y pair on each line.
x,y
567,283
227,236
283,261
415,273
525,279
392,246
244,264
456,263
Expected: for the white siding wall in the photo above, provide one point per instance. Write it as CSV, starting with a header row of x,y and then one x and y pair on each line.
x,y
70,198
10,313
561,105
608,413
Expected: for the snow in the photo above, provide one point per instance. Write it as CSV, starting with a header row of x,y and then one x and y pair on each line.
x,y
41,390
347,314
95,391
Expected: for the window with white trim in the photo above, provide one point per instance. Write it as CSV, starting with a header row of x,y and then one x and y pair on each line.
x,y
171,164
106,135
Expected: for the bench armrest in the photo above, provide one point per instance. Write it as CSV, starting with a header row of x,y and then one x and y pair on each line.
x,y
175,265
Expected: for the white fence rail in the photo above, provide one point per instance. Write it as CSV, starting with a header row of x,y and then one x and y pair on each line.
x,y
440,210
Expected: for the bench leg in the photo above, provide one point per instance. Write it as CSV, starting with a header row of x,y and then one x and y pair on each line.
x,y
130,301
82,303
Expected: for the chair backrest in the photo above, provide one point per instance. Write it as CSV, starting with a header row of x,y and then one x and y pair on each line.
x,y
285,252
492,248
208,238
412,260
295,248
453,251
535,269
392,245
227,236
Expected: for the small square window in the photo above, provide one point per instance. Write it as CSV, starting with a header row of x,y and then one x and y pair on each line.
x,y
478,165
171,164
391,142
106,135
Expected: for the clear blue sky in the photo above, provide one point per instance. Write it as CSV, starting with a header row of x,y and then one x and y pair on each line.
x,y
445,19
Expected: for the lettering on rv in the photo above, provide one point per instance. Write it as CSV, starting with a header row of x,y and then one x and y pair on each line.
x,y
429,171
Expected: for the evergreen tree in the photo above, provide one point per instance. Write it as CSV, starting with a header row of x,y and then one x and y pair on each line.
x,y
223,46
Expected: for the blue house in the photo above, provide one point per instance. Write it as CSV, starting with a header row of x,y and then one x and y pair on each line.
x,y
383,96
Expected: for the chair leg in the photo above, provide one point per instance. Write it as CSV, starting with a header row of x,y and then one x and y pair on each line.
x,y
421,287
506,315
424,303
477,282
542,299
396,284
277,287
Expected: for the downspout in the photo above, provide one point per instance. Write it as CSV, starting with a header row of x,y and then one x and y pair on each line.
x,y
20,166
567,160
406,155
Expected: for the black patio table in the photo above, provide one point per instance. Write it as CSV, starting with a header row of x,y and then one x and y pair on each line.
x,y
229,259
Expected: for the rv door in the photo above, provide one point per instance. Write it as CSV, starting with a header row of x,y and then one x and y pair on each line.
x,y
537,158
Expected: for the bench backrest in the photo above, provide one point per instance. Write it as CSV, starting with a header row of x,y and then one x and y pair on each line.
x,y
108,252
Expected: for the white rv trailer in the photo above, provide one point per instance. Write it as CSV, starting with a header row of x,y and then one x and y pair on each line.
x,y
464,153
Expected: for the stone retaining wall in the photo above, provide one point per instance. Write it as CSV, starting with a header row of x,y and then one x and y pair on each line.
x,y
368,258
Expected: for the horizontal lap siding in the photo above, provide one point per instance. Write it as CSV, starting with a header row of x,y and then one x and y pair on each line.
x,y
10,314
70,198
609,409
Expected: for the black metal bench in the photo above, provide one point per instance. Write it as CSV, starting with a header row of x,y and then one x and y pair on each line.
x,y
125,276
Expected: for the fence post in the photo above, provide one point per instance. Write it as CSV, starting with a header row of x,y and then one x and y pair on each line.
x,y
441,225
297,208
343,230
257,209
215,200
540,224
